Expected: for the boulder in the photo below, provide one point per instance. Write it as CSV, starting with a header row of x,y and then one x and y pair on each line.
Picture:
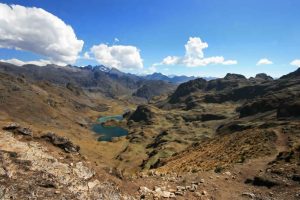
x,y
25,131
262,181
61,142
11,126
83,171
17,129
249,194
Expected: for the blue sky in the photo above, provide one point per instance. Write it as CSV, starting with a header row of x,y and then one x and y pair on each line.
x,y
242,31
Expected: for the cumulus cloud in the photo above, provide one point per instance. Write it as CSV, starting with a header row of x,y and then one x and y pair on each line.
x,y
169,60
296,62
194,48
36,30
264,61
20,62
194,56
117,56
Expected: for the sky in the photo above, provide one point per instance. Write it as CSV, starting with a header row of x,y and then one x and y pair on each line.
x,y
191,37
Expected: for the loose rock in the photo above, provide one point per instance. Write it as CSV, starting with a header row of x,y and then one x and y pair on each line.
x,y
61,142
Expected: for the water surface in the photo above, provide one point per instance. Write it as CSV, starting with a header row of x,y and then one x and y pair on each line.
x,y
108,132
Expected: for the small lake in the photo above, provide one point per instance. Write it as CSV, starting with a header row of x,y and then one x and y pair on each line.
x,y
108,132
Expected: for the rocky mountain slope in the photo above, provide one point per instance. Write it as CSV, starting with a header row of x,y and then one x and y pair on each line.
x,y
172,79
155,88
110,82
228,138
220,125
32,168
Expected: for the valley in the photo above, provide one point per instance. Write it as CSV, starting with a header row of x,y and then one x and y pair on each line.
x,y
225,138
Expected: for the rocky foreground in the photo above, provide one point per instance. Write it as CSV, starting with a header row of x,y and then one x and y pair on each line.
x,y
48,167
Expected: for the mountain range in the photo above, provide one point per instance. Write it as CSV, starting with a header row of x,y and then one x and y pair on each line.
x,y
226,138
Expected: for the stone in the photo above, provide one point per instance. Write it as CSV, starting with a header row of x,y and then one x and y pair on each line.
x,y
83,172
165,194
172,195
61,142
145,190
2,171
172,190
25,131
193,188
198,194
204,193
157,189
35,172
11,126
249,194
263,181
179,193
227,173
92,184
180,188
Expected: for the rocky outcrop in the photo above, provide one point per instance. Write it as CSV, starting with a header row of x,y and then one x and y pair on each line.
x,y
17,129
292,75
262,181
273,101
143,113
230,76
29,170
203,117
259,106
234,126
289,109
61,142
226,84
154,88
187,88
263,77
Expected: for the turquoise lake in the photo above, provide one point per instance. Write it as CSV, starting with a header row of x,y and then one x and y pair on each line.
x,y
108,132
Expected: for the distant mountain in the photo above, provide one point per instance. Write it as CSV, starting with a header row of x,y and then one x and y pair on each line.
x,y
108,81
256,95
173,79
153,88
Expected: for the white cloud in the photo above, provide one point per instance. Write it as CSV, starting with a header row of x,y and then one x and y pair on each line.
x,y
20,62
118,56
116,40
296,62
194,56
264,61
230,62
194,48
36,30
169,60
